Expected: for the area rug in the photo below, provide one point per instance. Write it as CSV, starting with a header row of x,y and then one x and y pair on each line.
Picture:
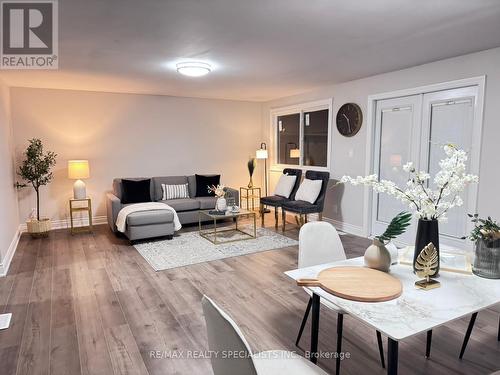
x,y
190,248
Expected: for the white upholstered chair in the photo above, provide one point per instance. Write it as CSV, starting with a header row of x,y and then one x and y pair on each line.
x,y
320,243
224,336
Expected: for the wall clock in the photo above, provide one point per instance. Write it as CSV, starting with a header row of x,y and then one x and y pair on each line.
x,y
349,119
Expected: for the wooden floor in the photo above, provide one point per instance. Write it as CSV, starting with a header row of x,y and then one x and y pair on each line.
x,y
90,304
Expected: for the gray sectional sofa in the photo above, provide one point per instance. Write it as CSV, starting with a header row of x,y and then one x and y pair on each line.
x,y
158,223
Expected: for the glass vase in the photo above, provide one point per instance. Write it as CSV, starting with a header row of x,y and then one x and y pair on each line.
x,y
487,259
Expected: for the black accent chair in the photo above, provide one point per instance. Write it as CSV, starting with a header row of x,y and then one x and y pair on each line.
x,y
303,208
275,200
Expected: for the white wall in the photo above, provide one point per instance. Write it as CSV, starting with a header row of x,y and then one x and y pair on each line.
x,y
345,204
9,219
126,135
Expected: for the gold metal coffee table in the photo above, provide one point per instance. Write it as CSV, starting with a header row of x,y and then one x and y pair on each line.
x,y
214,234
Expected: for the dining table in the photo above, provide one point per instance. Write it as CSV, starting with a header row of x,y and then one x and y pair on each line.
x,y
415,311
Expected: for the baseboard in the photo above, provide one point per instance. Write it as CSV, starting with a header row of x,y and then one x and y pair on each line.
x,y
5,263
339,225
77,222
346,227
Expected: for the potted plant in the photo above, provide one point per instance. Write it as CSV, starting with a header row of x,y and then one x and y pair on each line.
x,y
377,255
36,169
429,201
486,236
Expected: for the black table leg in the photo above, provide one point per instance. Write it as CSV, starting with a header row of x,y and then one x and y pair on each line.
x,y
314,327
392,356
304,321
340,327
498,329
428,346
467,334
380,349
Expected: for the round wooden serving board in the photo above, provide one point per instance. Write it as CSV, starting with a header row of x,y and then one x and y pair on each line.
x,y
357,284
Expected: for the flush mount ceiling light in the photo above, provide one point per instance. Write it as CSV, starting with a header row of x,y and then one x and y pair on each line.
x,y
193,69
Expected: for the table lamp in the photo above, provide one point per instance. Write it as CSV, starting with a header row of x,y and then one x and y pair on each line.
x,y
78,170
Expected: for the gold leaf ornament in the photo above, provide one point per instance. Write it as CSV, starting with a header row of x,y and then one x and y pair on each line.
x,y
427,261
425,266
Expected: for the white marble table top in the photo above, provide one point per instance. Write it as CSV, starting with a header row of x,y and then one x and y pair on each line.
x,y
416,310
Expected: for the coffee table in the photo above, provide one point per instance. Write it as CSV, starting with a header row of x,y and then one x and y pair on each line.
x,y
213,233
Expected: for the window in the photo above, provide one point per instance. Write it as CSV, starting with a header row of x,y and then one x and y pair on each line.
x,y
316,138
288,139
302,135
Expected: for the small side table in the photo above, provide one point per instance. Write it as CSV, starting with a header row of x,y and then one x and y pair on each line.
x,y
250,195
78,208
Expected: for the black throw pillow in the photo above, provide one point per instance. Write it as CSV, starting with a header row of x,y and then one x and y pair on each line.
x,y
203,182
136,191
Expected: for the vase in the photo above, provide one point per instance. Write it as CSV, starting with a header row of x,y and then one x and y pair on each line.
x,y
221,204
378,257
250,183
487,259
427,232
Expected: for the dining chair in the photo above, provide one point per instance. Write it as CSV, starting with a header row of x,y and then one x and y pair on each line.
x,y
469,331
277,201
320,243
303,208
232,355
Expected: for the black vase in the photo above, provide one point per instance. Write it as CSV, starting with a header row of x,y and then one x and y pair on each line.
x,y
427,232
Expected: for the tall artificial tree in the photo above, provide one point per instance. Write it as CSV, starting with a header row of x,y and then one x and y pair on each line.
x,y
36,168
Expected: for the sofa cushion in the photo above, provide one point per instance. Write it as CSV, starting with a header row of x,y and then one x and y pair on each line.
x,y
117,186
207,203
167,180
136,191
186,204
203,182
150,217
192,185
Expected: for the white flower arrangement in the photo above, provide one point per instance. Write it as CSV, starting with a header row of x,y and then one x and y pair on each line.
x,y
427,203
219,190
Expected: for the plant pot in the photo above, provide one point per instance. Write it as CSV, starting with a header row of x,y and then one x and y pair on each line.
x,y
377,256
487,259
38,228
427,232
221,204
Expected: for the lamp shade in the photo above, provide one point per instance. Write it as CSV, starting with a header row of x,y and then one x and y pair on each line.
x,y
261,154
295,153
78,169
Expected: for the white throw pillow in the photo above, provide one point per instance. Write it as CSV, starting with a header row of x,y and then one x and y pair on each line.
x,y
174,191
309,190
285,186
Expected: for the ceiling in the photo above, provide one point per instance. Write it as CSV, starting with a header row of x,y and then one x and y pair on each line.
x,y
260,49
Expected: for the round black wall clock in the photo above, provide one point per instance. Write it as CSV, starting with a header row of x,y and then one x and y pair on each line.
x,y
349,119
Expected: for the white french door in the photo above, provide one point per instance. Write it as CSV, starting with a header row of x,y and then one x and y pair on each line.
x,y
414,128
448,117
397,126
